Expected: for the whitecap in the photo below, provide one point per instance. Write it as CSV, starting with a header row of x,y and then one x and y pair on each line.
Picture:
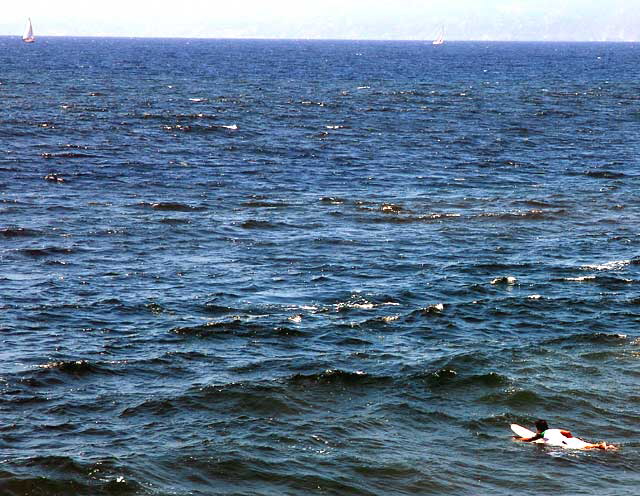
x,y
435,308
579,279
613,265
310,308
364,306
439,216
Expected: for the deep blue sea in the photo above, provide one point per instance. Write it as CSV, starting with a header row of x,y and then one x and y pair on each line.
x,y
317,267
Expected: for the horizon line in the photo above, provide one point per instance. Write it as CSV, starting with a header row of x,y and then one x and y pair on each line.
x,y
240,38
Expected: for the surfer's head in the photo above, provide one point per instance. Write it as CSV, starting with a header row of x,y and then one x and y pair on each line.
x,y
541,425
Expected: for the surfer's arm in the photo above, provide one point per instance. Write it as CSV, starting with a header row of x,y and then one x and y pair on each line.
x,y
528,439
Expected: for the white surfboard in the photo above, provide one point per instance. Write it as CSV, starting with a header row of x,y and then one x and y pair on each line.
x,y
571,443
524,432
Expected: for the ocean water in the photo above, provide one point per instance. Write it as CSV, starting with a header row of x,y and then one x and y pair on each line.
x,y
314,267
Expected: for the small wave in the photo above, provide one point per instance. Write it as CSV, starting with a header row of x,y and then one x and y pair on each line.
x,y
192,128
383,320
555,112
439,216
307,308
351,341
604,174
535,214
150,407
213,309
22,398
513,398
359,303
198,116
439,377
242,397
152,307
66,155
313,103
45,252
175,207
536,203
462,363
236,325
76,147
433,309
61,208
613,265
391,208
19,232
210,328
175,222
590,337
404,218
346,306
330,200
257,224
172,207
522,131
75,368
450,378
53,475
265,204
579,279
288,332
56,262
331,376
611,282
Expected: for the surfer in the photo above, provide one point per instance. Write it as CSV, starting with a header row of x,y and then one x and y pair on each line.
x,y
559,437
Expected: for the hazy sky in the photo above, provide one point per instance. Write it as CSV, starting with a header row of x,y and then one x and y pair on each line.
x,y
587,20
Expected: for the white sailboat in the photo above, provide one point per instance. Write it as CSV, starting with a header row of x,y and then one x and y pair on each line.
x,y
440,39
28,37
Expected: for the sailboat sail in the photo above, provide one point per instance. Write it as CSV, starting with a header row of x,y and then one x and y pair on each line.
x,y
440,39
28,37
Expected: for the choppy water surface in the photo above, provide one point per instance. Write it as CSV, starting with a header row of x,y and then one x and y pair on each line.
x,y
317,267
